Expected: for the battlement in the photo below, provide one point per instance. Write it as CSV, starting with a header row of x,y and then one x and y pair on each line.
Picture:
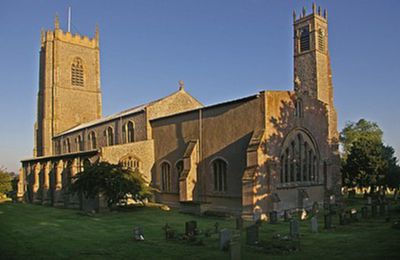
x,y
316,12
76,38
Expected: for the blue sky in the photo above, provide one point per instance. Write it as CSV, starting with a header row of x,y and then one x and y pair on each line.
x,y
221,49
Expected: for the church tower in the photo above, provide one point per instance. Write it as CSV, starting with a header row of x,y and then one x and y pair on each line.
x,y
312,68
69,85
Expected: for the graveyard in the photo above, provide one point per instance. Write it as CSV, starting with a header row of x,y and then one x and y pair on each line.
x,y
145,233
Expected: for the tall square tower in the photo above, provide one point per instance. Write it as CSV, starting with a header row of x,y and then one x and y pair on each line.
x,y
69,85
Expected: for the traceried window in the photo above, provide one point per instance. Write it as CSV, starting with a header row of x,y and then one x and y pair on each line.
x,y
92,140
166,177
128,133
77,75
299,159
304,39
130,162
109,134
219,168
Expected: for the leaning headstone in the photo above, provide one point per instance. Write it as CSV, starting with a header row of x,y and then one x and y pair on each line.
x,y
138,234
294,228
273,217
328,221
225,236
252,235
239,223
314,224
191,228
235,249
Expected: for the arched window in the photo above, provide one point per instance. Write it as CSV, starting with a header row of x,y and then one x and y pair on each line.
x,y
77,77
92,140
299,158
179,170
128,132
109,134
166,176
298,108
79,143
219,168
67,146
86,164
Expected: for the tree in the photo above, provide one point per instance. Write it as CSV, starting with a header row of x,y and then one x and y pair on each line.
x,y
6,179
111,180
353,132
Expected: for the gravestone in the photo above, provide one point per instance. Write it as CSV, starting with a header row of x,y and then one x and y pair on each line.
x,y
235,248
353,215
374,209
273,217
169,232
328,221
294,228
369,200
364,212
138,233
257,215
314,224
191,228
286,215
252,235
342,218
239,223
225,236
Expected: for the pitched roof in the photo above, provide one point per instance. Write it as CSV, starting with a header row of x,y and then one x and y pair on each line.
x,y
123,113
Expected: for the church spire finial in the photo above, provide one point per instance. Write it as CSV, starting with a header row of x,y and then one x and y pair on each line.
x,y
56,22
96,35
181,85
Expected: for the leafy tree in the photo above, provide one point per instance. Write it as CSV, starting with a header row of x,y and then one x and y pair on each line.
x,y
6,179
111,180
353,132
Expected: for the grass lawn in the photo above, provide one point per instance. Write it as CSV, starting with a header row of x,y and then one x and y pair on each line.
x,y
32,231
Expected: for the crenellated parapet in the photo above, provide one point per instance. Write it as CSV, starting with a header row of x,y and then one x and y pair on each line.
x,y
74,38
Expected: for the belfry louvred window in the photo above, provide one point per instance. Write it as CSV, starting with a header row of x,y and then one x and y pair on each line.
x,y
77,77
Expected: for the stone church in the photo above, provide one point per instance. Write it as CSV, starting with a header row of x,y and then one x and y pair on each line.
x,y
271,151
